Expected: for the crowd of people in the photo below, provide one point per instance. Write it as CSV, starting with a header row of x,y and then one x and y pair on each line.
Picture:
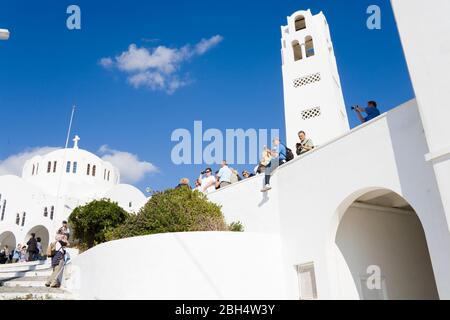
x,y
271,158
33,251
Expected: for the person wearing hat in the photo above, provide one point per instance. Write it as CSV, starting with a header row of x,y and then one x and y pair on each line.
x,y
207,181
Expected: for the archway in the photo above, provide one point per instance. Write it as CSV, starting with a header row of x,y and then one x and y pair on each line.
x,y
41,232
7,238
381,250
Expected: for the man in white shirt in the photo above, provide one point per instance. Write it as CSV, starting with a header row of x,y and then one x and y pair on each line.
x,y
208,182
224,175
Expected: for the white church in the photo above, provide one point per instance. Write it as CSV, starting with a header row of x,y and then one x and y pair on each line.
x,y
365,215
51,187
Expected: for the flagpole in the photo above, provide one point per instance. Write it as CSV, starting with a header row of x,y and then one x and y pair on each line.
x,y
70,127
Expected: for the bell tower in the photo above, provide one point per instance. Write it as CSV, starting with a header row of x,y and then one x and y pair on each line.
x,y
313,95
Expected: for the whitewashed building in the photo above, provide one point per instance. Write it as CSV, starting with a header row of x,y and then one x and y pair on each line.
x,y
51,186
366,215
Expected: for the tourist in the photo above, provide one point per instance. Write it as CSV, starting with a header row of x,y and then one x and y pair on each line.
x,y
23,254
265,160
278,157
32,248
63,233
16,254
184,182
235,177
371,111
58,261
207,181
198,185
4,253
247,174
39,248
224,175
305,144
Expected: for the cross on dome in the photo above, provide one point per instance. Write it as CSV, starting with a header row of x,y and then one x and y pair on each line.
x,y
75,141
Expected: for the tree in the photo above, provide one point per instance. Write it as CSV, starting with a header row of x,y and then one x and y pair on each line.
x,y
91,222
174,210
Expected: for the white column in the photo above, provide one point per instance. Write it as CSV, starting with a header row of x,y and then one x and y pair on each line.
x,y
425,34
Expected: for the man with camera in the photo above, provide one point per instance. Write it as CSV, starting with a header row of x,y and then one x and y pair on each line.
x,y
207,181
305,144
371,111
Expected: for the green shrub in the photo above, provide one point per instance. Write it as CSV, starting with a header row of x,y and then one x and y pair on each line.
x,y
90,223
174,210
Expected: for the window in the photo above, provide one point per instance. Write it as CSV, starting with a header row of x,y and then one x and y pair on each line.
x,y
297,51
75,164
17,219
23,218
307,281
68,167
108,174
45,212
104,175
54,166
93,170
49,167
130,204
37,168
300,23
88,172
309,46
3,210
52,212
34,167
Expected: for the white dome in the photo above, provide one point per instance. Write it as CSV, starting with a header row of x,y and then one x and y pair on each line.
x,y
71,172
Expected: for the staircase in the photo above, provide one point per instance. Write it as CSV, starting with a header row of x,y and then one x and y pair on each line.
x,y
26,281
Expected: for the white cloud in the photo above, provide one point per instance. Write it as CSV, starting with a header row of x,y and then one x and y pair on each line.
x,y
158,68
14,163
131,169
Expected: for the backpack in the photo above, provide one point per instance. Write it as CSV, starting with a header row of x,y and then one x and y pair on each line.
x,y
51,250
289,154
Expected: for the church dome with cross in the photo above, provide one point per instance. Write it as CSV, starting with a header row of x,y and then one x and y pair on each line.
x,y
52,186
71,171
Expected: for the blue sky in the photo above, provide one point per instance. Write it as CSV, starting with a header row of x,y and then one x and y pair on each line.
x,y
236,83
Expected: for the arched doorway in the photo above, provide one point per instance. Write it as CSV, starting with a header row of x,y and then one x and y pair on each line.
x,y
7,238
41,232
382,251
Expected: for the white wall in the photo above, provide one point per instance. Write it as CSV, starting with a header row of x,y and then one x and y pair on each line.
x,y
208,265
391,240
313,192
422,27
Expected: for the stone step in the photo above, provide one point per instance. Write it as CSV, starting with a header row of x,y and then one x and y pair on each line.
x,y
24,267
27,282
36,273
27,293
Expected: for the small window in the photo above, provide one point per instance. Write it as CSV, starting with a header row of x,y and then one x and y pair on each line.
x,y
94,168
309,46
307,281
24,215
300,23
45,212
130,204
49,167
88,171
297,51
108,174
104,175
17,219
34,167
52,212
68,166
54,166
75,164
37,168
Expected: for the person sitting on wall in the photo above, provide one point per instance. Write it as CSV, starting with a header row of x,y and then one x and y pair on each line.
x,y
207,181
371,111
224,175
305,144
